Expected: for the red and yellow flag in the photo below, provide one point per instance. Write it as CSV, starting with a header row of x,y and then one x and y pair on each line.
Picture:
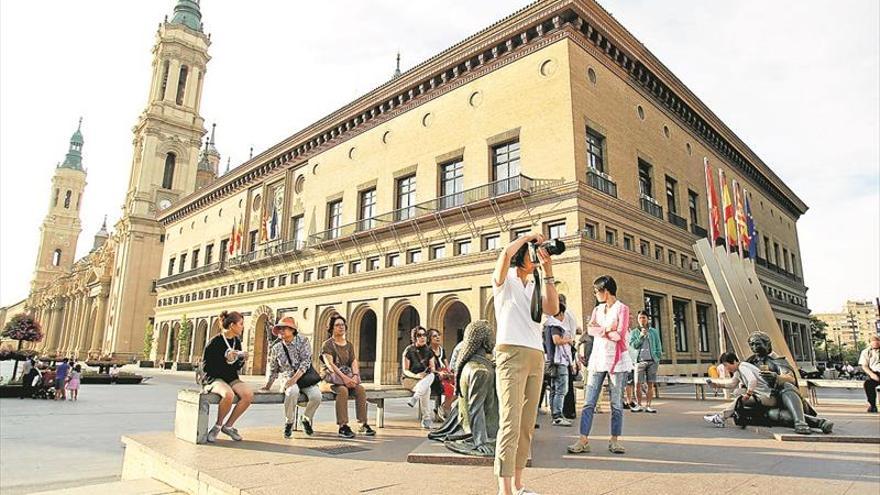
x,y
232,237
729,214
240,234
715,236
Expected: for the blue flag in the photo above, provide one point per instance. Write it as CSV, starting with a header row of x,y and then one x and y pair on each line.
x,y
753,236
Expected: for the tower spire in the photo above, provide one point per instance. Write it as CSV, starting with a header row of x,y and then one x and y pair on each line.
x,y
213,129
187,13
397,70
73,159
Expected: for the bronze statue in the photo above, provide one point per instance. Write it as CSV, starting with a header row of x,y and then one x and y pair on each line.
x,y
793,410
472,424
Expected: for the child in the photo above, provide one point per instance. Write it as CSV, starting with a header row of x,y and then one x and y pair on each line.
x,y
73,381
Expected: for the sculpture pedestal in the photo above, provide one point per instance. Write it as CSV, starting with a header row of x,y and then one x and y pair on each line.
x,y
431,452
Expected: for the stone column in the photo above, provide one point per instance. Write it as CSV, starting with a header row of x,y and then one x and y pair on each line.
x,y
85,327
57,325
98,327
69,319
173,77
669,323
379,366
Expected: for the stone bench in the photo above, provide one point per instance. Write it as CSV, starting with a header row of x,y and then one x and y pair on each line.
x,y
814,384
191,418
699,383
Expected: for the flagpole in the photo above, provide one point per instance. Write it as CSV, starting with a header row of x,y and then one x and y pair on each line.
x,y
707,171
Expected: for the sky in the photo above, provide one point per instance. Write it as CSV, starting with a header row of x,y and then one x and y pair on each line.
x,y
797,80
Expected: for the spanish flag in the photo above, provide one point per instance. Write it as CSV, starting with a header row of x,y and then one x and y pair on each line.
x,y
240,234
232,237
715,235
729,214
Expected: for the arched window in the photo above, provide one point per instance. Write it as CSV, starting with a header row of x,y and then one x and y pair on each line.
x,y
168,178
56,257
67,199
55,201
164,80
181,84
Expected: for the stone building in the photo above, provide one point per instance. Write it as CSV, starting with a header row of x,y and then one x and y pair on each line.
x,y
856,323
392,210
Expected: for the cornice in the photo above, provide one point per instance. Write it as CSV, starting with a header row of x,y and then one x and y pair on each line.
x,y
534,27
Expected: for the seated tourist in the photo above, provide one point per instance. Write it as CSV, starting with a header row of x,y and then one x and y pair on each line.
x,y
869,360
223,358
291,357
444,378
418,373
114,374
339,368
743,374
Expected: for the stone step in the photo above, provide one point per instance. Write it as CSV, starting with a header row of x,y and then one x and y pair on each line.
x,y
145,486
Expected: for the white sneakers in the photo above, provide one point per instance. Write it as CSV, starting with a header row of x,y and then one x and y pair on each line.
x,y
561,421
231,432
715,420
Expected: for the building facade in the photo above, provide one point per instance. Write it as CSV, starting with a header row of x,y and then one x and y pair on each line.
x,y
858,321
392,210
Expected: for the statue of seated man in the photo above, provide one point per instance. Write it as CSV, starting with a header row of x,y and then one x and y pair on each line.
x,y
472,425
792,410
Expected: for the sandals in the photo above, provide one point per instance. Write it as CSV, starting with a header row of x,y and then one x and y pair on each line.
x,y
579,448
616,448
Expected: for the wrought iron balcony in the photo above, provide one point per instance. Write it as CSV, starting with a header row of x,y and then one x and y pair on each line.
x,y
195,272
698,231
269,252
651,207
676,220
513,186
602,182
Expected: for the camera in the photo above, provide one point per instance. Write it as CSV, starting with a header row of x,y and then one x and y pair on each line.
x,y
553,246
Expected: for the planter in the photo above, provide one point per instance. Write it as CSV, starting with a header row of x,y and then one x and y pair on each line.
x,y
182,367
11,391
168,365
146,364
104,379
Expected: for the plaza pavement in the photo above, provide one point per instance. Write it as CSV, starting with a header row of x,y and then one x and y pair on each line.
x,y
52,445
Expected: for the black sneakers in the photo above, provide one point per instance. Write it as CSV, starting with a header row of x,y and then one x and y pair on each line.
x,y
307,426
345,432
366,430
288,430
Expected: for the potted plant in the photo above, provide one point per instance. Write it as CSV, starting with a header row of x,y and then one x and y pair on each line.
x,y
22,328
148,348
183,337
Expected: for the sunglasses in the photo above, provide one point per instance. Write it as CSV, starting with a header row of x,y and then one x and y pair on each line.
x,y
420,334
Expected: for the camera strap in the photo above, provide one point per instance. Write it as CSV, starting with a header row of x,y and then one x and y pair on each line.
x,y
537,309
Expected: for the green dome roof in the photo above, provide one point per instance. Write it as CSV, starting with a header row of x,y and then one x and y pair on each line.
x,y
73,159
187,12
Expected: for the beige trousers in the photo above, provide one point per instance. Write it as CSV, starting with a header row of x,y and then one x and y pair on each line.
x,y
519,375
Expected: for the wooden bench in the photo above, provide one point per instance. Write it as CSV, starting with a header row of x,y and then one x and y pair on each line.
x,y
699,383
814,384
194,406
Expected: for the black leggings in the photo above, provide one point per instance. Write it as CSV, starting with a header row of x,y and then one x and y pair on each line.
x,y
871,391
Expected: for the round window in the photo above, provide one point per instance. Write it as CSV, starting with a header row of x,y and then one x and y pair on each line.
x,y
258,200
591,75
641,112
300,183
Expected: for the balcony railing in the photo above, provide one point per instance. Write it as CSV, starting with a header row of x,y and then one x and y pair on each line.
x,y
202,270
271,250
517,184
649,205
698,231
602,182
676,220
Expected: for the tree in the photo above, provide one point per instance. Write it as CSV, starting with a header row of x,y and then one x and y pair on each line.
x,y
818,335
148,341
183,335
22,328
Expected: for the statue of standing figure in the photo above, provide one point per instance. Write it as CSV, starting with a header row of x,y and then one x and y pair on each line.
x,y
472,425
793,411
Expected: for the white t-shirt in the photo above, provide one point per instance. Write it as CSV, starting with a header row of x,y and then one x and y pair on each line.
x,y
604,349
750,376
871,357
513,313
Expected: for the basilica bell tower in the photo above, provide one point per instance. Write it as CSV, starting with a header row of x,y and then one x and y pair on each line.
x,y
167,140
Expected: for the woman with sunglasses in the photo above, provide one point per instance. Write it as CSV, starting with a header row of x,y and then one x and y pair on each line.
x,y
339,367
418,373
608,325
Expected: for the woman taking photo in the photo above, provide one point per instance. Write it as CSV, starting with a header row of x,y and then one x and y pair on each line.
x,y
222,359
608,325
339,368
